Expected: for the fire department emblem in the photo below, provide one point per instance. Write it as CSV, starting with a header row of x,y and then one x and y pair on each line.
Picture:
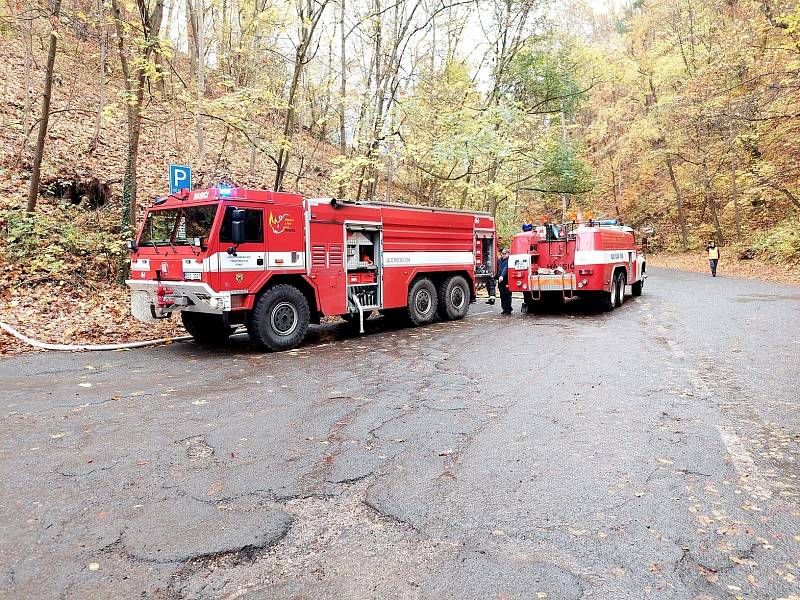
x,y
239,277
280,223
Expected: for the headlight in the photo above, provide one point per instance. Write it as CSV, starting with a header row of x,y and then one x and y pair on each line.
x,y
215,303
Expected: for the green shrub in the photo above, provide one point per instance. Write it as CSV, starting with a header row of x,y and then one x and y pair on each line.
x,y
781,243
62,244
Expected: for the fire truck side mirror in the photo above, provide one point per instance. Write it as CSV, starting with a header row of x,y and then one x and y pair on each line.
x,y
237,226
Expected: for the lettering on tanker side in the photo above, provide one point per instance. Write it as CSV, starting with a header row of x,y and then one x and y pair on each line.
x,y
428,258
397,260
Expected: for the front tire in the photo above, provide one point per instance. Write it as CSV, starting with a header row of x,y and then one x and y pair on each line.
x,y
453,298
280,318
206,329
422,302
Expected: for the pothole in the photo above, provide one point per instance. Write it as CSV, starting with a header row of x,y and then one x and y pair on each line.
x,y
197,448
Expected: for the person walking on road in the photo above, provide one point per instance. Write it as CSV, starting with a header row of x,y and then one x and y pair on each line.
x,y
502,283
713,257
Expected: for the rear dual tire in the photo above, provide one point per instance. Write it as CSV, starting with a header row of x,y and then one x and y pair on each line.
x,y
621,282
616,295
454,298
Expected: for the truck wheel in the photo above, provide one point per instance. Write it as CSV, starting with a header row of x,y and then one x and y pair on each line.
x,y
620,288
453,298
422,302
280,318
206,329
608,300
636,287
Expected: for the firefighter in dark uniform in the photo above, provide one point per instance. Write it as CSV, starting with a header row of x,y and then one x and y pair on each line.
x,y
502,283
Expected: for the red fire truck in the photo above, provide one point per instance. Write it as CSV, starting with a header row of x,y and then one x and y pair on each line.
x,y
595,260
275,262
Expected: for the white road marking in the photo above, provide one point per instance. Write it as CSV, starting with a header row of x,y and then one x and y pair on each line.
x,y
743,463
483,312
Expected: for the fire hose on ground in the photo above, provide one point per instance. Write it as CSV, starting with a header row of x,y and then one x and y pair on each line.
x,y
93,347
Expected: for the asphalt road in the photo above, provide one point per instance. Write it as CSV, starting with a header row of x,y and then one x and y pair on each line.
x,y
647,453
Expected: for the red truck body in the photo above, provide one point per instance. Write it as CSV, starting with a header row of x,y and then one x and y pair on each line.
x,y
597,260
341,258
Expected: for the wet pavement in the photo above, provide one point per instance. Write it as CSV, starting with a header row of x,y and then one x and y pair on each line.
x,y
647,453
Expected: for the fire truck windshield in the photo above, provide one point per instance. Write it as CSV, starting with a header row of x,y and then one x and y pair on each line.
x,y
177,226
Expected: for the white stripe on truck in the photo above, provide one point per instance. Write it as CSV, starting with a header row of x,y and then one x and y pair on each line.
x,y
602,257
427,259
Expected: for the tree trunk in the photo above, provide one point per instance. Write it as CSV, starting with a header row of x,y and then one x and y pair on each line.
x,y
343,88
565,199
33,191
737,217
134,88
734,186
201,80
614,188
679,206
288,122
710,202
191,39
102,83
27,31
309,18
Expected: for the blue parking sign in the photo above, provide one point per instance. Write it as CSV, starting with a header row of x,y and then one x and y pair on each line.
x,y
180,178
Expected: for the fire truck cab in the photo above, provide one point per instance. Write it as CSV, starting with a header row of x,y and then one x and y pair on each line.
x,y
595,260
275,262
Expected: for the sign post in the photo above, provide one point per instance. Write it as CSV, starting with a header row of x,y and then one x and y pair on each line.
x,y
180,178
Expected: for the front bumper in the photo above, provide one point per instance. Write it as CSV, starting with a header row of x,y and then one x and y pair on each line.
x,y
193,296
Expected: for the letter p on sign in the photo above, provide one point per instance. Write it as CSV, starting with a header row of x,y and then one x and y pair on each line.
x,y
180,178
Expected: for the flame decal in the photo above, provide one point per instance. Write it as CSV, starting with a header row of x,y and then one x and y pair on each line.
x,y
278,225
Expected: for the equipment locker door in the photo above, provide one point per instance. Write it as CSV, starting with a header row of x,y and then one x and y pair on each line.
x,y
328,267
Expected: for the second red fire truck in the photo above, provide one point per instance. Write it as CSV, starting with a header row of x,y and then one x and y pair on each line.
x,y
595,260
275,262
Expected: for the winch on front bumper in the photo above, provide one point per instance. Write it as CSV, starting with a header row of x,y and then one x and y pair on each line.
x,y
159,299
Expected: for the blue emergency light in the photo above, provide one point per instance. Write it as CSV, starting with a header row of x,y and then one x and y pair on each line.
x,y
225,192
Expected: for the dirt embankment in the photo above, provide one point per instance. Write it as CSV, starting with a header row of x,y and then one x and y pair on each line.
x,y
729,266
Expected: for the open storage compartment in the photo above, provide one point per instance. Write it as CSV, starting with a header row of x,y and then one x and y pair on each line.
x,y
485,254
363,269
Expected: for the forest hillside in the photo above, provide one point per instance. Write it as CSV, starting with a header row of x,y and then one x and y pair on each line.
x,y
681,118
